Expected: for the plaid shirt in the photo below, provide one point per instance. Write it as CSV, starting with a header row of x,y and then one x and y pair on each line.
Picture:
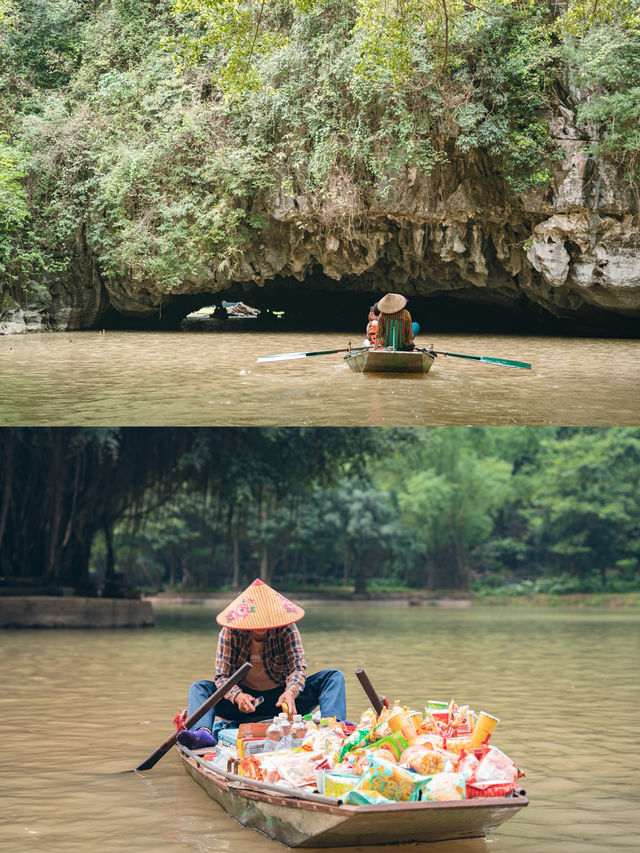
x,y
282,656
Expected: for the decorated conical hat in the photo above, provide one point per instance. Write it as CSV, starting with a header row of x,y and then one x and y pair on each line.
x,y
259,607
392,302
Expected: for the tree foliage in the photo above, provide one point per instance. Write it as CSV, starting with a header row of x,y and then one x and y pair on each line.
x,y
450,508
155,133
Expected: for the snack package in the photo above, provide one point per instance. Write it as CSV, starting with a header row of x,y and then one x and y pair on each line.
x,y
390,780
337,784
396,743
359,737
364,798
468,764
251,768
423,760
489,789
495,766
294,768
433,741
444,786
458,744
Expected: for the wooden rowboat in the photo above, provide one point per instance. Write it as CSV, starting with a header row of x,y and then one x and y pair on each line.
x,y
389,361
299,819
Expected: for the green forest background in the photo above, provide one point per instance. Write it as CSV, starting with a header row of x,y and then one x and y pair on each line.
x,y
493,511
146,131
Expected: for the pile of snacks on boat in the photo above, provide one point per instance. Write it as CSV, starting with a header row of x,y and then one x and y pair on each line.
x,y
443,754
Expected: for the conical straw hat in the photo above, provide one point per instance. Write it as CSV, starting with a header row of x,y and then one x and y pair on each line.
x,y
392,302
259,607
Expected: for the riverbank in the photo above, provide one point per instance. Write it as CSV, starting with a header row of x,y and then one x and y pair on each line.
x,y
575,601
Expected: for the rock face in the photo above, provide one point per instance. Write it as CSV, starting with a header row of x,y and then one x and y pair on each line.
x,y
571,251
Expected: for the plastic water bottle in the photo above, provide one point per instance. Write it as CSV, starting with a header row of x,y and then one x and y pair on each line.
x,y
286,740
298,730
273,735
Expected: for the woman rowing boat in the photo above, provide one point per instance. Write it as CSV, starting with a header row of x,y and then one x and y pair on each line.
x,y
394,327
258,627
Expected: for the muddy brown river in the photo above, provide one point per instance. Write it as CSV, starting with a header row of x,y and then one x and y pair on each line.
x,y
79,707
212,379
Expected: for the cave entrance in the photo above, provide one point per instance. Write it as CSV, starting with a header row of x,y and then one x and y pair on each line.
x,y
330,306
319,303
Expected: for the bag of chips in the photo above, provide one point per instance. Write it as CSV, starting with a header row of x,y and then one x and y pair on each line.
x,y
337,784
444,786
390,780
495,766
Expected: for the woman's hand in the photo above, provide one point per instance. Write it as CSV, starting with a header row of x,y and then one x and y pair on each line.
x,y
245,703
288,699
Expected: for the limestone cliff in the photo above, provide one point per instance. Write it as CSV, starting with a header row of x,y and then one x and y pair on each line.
x,y
571,250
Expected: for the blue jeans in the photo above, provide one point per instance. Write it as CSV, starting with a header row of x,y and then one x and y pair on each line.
x,y
325,688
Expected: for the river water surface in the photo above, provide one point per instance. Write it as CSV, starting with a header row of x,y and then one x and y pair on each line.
x,y
212,379
79,707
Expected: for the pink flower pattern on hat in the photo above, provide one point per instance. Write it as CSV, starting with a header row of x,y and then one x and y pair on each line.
x,y
242,610
289,606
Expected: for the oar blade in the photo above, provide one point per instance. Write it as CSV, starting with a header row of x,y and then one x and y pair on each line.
x,y
286,356
283,356
506,362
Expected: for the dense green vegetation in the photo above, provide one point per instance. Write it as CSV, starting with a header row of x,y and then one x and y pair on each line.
x,y
508,510
151,132
450,509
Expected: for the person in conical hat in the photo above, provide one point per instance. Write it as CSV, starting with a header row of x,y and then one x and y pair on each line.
x,y
395,328
259,626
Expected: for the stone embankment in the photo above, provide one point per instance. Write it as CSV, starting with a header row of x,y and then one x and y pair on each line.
x,y
41,611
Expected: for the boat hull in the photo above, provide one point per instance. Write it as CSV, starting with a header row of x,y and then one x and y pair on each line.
x,y
389,361
320,823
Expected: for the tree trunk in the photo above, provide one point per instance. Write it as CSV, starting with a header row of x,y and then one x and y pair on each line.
x,y
264,563
346,567
235,581
361,575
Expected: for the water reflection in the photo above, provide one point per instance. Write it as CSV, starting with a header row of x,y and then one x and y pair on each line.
x,y
213,379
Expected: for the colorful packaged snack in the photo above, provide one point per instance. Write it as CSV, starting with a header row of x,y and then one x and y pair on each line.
x,y
423,760
495,766
444,786
395,743
337,784
489,789
390,780
364,798
360,736
468,764
459,744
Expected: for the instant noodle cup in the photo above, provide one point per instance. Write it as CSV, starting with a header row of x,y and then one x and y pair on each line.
x,y
402,722
483,728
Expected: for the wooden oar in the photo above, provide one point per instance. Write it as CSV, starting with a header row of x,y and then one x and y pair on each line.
x,y
285,356
483,358
153,759
377,701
